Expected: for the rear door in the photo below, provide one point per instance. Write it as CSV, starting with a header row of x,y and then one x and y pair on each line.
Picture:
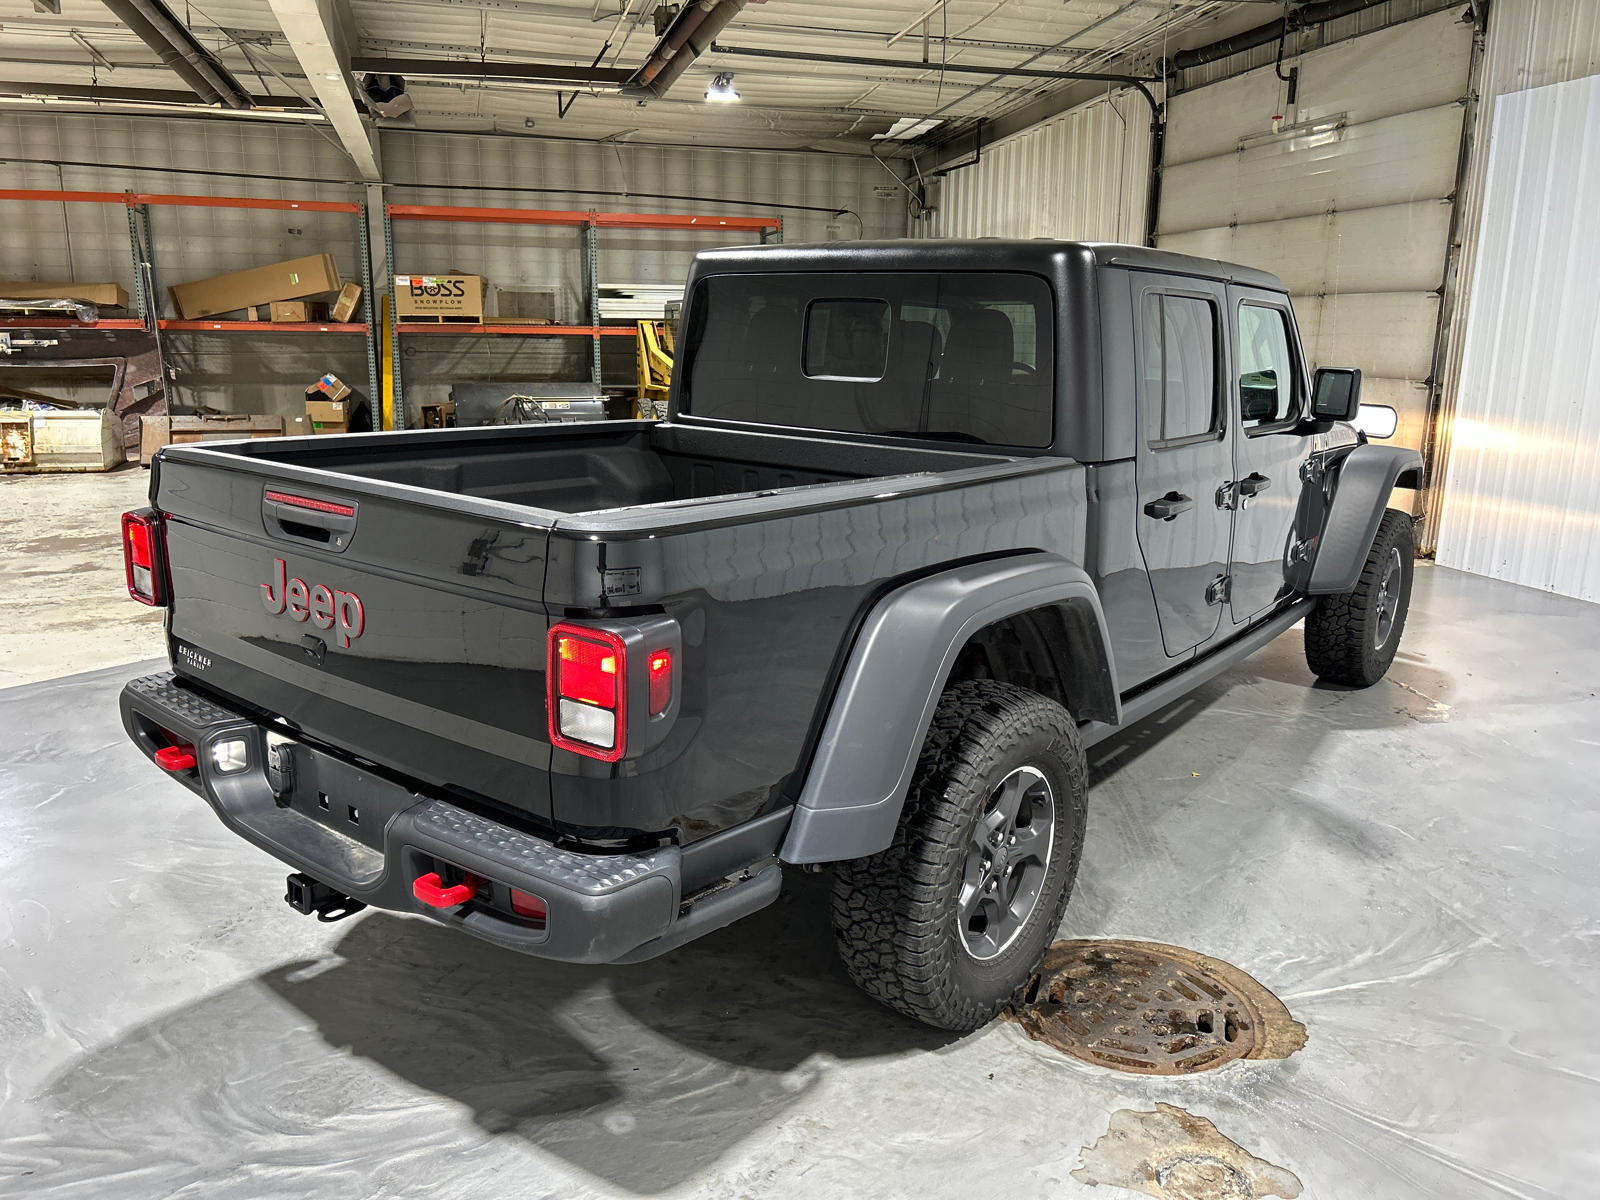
x,y
1185,452
1269,450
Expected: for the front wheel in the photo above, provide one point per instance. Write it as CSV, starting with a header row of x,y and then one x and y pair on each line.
x,y
950,921
1351,638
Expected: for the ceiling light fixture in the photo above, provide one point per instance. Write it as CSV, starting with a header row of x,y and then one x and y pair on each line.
x,y
721,88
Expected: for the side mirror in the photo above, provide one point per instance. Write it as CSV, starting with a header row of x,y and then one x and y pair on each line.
x,y
1336,393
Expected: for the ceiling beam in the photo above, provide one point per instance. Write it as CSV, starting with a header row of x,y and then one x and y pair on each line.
x,y
319,35
13,87
521,72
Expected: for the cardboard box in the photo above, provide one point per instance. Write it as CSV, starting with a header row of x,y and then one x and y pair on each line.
x,y
439,297
439,416
288,312
154,433
291,280
329,387
103,295
345,307
326,416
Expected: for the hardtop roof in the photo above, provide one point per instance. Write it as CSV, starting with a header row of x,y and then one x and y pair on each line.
x,y
1042,255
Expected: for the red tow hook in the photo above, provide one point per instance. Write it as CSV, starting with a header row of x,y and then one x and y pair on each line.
x,y
427,889
175,758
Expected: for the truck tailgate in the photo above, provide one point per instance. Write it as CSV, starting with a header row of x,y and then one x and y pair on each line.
x,y
367,614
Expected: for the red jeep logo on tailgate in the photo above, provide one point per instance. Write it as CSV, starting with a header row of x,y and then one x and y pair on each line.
x,y
322,605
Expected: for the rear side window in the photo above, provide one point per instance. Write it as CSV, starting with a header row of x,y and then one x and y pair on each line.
x,y
964,357
1180,369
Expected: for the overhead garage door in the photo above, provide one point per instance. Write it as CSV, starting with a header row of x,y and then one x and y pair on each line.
x,y
1349,202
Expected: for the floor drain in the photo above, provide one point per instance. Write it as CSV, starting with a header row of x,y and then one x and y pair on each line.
x,y
1153,1009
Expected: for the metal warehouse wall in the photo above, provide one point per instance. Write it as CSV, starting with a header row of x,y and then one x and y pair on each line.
x,y
1349,204
1083,175
1531,43
267,373
1520,501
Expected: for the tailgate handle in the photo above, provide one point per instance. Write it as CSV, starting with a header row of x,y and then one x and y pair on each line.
x,y
329,523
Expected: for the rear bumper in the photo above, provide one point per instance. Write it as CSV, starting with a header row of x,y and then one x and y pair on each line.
x,y
370,838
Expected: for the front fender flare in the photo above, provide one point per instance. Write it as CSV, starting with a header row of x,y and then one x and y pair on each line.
x,y
850,803
1365,478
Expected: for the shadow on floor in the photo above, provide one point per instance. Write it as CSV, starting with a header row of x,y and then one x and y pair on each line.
x,y
1412,691
641,1075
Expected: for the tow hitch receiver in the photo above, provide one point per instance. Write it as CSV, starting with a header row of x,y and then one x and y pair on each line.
x,y
306,895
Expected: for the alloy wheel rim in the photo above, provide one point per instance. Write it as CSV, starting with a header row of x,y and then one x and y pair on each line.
x,y
1388,597
1008,858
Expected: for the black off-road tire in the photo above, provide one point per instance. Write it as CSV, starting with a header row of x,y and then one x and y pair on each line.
x,y
1349,639
895,914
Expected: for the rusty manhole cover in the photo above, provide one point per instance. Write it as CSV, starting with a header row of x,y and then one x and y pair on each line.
x,y
1153,1009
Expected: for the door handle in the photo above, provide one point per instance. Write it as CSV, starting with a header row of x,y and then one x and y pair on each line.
x,y
1168,506
1253,484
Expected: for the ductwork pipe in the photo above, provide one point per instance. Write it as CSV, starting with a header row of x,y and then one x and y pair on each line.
x,y
159,29
1264,35
690,36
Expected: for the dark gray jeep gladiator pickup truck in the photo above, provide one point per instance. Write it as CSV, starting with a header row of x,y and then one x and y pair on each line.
x,y
924,520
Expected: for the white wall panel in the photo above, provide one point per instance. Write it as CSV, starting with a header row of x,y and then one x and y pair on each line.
x,y
1393,160
1389,334
1209,121
1520,499
1530,43
1081,175
1353,215
1418,64
1393,248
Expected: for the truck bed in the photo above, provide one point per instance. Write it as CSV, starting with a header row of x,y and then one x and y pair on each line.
x,y
603,466
466,545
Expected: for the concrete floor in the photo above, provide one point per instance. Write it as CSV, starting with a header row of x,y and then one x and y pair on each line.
x,y
62,584
1412,868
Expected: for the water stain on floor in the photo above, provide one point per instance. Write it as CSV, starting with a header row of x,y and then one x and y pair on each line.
x,y
1172,1154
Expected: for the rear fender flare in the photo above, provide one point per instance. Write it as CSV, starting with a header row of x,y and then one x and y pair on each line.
x,y
850,803
1362,483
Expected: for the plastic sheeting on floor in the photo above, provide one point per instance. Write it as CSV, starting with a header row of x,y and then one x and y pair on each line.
x,y
1411,868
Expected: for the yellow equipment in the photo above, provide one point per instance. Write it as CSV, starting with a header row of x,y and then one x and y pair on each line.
x,y
654,360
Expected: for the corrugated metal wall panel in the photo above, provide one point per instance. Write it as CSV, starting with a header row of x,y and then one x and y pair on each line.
x,y
267,373
1520,501
1530,43
1084,174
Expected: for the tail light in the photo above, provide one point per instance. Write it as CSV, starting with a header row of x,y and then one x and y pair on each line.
x,y
144,553
612,692
588,671
660,681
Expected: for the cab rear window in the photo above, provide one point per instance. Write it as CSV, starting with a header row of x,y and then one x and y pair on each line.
x,y
943,355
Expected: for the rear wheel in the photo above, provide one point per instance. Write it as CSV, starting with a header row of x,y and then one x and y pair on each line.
x,y
950,921
1351,638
